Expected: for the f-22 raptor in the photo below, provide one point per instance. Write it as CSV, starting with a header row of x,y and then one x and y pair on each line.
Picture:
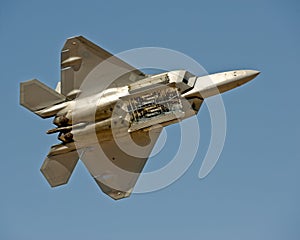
x,y
93,126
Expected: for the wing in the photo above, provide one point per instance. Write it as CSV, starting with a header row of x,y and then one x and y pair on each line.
x,y
79,57
115,171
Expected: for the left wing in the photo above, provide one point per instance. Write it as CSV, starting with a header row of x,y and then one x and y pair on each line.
x,y
115,171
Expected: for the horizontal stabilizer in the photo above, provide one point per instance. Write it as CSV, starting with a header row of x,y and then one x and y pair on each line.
x,y
35,96
57,169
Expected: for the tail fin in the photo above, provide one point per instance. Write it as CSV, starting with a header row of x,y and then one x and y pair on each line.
x,y
57,169
36,96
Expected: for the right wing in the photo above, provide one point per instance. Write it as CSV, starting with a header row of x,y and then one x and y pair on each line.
x,y
79,57
117,172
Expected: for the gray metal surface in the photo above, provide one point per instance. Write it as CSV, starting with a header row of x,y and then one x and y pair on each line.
x,y
58,169
114,170
80,56
129,113
35,95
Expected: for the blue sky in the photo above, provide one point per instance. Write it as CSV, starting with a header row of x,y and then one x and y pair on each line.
x,y
253,192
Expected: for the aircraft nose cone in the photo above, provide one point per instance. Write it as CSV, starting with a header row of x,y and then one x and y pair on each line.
x,y
252,73
248,76
243,76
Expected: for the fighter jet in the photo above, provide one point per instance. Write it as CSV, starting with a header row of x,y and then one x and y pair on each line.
x,y
94,125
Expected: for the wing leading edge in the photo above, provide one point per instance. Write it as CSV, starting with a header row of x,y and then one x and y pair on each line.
x,y
80,56
117,172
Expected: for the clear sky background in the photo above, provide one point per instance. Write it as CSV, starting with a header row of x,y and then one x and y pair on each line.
x,y
253,192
